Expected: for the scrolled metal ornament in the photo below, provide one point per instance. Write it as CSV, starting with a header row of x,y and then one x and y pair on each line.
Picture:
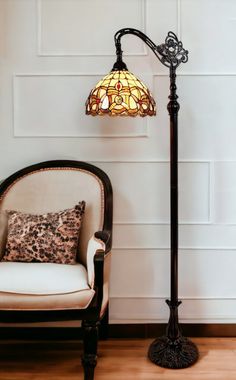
x,y
172,51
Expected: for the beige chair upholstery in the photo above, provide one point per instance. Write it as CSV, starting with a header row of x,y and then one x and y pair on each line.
x,y
63,286
78,291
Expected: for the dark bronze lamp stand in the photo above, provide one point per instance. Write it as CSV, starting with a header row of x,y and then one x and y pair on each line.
x,y
172,350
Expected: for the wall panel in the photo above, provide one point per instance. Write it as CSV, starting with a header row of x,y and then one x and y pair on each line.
x,y
57,109
138,310
161,16
198,277
209,28
225,192
52,52
206,116
194,236
64,30
144,197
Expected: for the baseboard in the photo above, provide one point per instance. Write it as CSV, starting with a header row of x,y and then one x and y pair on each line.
x,y
117,331
157,329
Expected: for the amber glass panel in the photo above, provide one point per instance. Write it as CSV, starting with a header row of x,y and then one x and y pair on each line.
x,y
120,93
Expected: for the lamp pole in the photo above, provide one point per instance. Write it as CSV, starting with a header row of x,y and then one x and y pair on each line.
x,y
172,350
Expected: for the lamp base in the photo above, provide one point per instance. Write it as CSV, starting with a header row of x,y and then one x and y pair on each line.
x,y
175,354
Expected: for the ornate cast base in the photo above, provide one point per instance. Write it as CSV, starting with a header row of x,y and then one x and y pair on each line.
x,y
180,353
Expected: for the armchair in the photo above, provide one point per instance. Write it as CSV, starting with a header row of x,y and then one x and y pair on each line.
x,y
35,292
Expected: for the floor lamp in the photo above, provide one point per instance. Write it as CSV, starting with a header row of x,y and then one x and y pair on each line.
x,y
121,93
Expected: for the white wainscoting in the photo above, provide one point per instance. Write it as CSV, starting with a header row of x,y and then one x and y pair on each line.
x,y
191,236
58,109
150,204
60,21
154,310
210,41
224,192
51,54
199,278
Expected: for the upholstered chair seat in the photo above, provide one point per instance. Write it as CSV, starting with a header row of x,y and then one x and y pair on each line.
x,y
55,248
44,286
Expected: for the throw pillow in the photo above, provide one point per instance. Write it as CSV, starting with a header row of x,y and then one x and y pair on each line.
x,y
48,238
3,232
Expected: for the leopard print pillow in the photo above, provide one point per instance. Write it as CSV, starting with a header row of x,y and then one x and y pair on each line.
x,y
48,238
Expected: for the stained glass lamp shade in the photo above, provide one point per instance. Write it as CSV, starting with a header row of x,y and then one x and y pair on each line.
x,y
120,93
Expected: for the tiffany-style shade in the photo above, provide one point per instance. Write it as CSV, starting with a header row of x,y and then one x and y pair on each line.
x,y
120,93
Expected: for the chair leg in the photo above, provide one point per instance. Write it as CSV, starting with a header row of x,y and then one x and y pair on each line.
x,y
104,326
90,337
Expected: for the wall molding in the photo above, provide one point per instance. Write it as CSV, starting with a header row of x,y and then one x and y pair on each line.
x,y
189,248
146,123
153,161
95,135
118,331
179,19
196,74
183,222
52,53
163,298
198,310
158,250
211,192
162,223
138,248
214,228
153,330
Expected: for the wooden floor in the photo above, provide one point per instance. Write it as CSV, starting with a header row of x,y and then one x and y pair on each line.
x,y
118,360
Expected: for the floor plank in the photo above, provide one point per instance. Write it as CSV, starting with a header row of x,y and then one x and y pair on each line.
x,y
118,360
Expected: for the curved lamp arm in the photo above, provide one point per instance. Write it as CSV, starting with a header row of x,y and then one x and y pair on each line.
x,y
171,53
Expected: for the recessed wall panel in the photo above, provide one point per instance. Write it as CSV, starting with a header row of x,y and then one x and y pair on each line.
x,y
155,309
87,27
54,106
225,192
157,236
209,33
199,272
142,191
206,116
166,12
57,50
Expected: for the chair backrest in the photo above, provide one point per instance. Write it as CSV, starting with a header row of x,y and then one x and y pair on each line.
x,y
57,185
